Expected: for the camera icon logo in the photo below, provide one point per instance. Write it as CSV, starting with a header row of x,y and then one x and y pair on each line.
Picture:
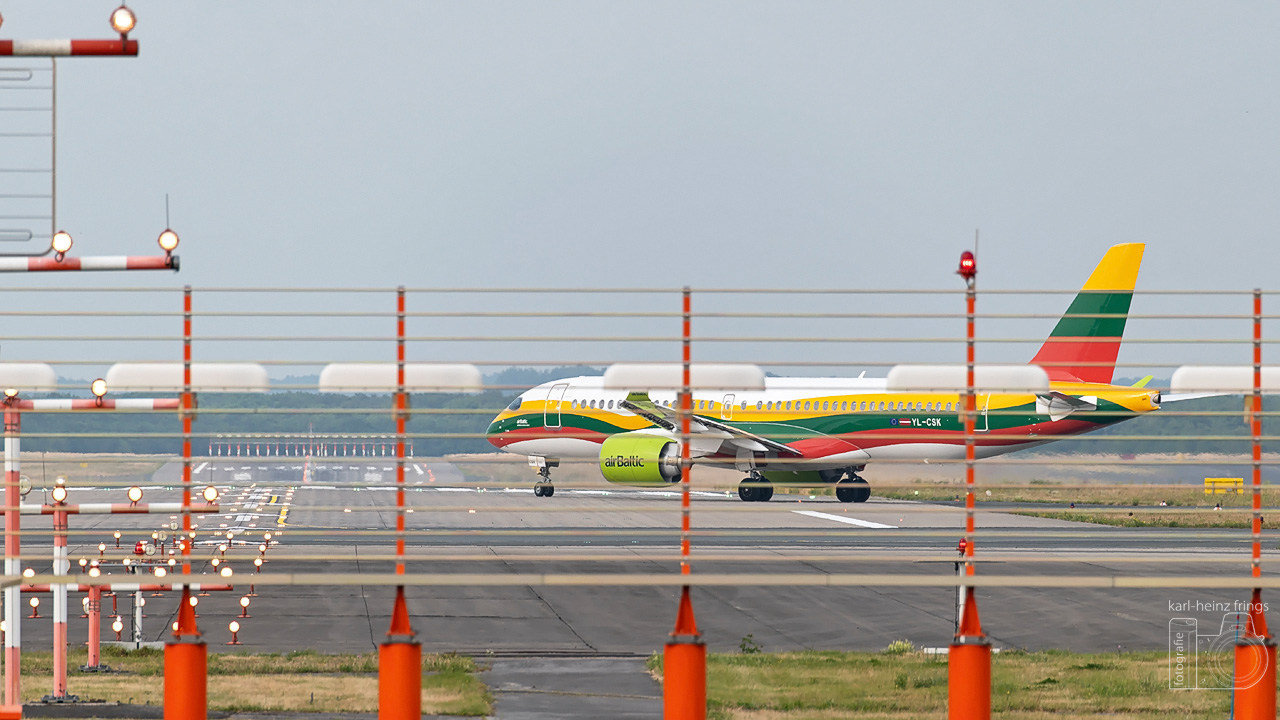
x,y
1207,661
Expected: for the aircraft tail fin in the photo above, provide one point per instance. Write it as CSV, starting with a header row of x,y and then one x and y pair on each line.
x,y
1086,341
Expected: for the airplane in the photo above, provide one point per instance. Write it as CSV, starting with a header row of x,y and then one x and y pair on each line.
x,y
813,432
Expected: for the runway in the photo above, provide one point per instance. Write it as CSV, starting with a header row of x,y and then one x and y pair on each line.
x,y
341,518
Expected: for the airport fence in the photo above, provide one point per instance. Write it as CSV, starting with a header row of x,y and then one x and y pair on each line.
x,y
747,398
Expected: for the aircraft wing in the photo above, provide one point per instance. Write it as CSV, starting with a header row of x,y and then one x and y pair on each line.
x,y
667,419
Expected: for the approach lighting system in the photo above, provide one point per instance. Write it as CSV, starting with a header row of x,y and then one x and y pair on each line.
x,y
83,563
102,547
98,388
61,244
225,571
94,572
28,573
968,266
244,602
168,241
123,21
60,494
233,626
11,393
210,494
135,494
117,625
161,572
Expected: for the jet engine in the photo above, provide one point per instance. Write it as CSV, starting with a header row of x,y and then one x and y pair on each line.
x,y
638,458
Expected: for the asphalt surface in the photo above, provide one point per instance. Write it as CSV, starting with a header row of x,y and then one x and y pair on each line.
x,y
578,651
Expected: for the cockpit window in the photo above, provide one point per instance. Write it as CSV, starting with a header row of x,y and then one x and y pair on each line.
x,y
515,404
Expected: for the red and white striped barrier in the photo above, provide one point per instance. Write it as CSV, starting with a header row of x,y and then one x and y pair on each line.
x,y
165,508
100,262
103,404
68,48
12,559
132,587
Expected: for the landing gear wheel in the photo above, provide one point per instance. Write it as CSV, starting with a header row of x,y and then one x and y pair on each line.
x,y
764,490
748,491
854,489
544,488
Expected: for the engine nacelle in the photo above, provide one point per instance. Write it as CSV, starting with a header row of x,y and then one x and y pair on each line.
x,y
640,459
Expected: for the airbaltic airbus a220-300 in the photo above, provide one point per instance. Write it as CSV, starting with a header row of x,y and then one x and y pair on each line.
x,y
825,431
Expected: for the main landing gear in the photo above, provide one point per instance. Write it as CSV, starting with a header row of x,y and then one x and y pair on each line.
x,y
755,489
853,489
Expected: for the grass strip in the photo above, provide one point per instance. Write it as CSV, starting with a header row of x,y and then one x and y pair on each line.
x,y
901,685
304,681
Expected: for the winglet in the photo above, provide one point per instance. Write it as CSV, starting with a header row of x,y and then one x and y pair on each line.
x,y
1143,382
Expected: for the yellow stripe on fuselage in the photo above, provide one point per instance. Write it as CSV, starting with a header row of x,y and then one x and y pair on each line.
x,y
1134,399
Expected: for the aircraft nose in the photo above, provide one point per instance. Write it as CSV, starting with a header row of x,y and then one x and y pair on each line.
x,y
494,432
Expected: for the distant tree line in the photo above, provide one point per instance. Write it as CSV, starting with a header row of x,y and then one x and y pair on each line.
x,y
445,423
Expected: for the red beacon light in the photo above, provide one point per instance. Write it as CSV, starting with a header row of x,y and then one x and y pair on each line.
x,y
968,266
962,545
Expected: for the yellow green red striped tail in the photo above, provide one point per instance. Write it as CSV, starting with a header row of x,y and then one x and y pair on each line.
x,y
1084,345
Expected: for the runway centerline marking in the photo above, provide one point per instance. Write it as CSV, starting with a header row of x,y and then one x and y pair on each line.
x,y
846,520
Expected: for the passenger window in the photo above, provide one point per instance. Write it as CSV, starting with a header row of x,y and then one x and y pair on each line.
x,y
806,404
610,404
744,404
882,405
826,405
863,406
759,404
948,406
788,404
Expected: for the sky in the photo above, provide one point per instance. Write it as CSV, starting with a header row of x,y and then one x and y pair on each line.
x,y
742,144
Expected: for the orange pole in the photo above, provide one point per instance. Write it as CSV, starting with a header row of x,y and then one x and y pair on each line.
x,y
969,667
95,629
684,667
186,659
1255,662
400,668
400,657
684,657
969,657
1255,666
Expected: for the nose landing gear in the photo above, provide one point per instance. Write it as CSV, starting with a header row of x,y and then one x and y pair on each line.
x,y
543,488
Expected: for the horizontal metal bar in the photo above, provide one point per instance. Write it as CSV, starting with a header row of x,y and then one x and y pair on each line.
x,y
816,579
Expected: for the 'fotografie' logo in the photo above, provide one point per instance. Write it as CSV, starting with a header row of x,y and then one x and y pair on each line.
x,y
1207,661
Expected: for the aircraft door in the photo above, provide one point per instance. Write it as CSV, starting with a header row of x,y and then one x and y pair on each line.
x,y
726,407
551,411
980,423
